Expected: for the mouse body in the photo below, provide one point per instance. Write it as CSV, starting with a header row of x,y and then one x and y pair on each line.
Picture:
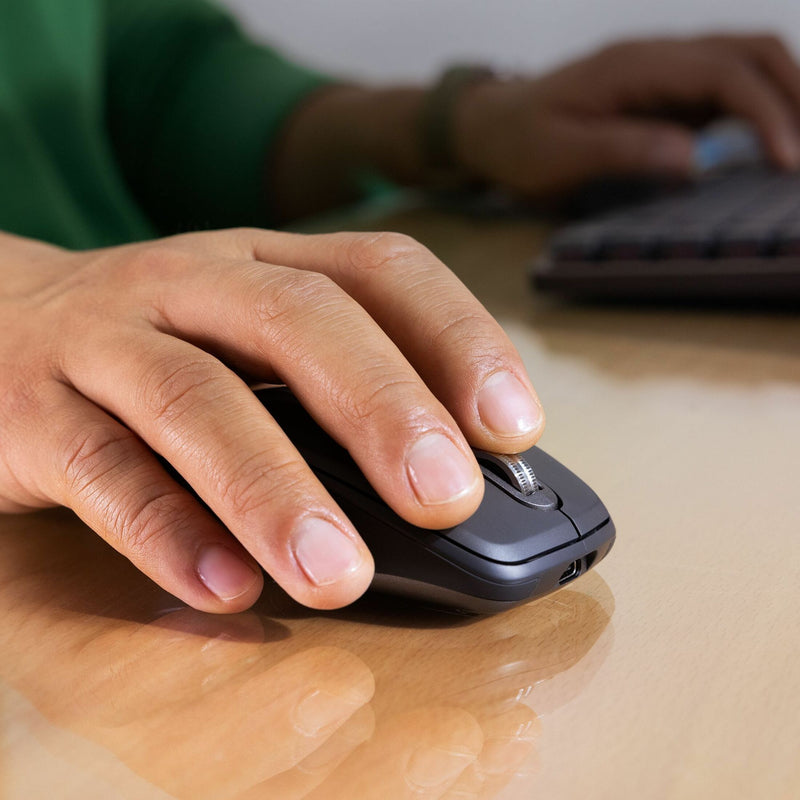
x,y
533,532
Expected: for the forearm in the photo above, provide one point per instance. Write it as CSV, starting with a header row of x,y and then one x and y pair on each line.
x,y
339,133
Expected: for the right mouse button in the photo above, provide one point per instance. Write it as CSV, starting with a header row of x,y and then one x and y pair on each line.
x,y
578,501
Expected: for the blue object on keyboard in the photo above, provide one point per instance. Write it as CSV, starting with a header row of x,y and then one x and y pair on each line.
x,y
726,144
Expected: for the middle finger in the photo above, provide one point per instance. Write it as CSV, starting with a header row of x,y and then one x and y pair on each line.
x,y
458,348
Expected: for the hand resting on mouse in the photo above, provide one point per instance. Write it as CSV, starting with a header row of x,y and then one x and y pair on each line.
x,y
111,356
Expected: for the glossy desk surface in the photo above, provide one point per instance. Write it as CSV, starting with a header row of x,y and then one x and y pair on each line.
x,y
671,671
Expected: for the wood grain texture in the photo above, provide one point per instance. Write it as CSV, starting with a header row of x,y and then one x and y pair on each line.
x,y
670,672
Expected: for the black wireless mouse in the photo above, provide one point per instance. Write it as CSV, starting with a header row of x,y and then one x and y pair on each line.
x,y
537,528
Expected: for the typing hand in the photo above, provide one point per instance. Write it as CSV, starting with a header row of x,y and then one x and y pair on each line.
x,y
629,109
113,354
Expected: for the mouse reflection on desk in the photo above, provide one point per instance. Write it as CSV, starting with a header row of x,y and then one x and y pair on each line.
x,y
538,527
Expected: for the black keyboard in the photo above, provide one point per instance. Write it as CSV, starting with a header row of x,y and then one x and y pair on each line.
x,y
731,236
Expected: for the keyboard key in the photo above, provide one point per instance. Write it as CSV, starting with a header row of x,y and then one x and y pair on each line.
x,y
729,235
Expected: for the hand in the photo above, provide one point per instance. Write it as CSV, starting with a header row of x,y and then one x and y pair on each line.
x,y
112,354
626,110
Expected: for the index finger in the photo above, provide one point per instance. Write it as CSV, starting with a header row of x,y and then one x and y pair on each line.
x,y
458,348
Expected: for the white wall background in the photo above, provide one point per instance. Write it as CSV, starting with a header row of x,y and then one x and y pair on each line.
x,y
412,39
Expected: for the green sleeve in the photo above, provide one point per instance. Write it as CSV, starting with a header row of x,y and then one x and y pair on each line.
x,y
193,109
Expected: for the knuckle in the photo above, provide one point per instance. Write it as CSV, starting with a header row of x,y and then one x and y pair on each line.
x,y
20,400
619,52
241,241
141,526
384,249
173,386
22,413
729,76
245,236
246,233
291,293
769,40
258,487
467,329
379,397
606,65
165,258
483,345
88,456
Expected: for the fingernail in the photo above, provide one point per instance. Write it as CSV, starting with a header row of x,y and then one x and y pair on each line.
x,y
320,710
430,767
439,472
325,554
506,407
224,573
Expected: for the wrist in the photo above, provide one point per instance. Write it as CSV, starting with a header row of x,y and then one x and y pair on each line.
x,y
340,134
444,119
477,118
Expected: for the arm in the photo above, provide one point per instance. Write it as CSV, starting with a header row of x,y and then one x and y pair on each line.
x,y
196,109
192,105
336,135
627,109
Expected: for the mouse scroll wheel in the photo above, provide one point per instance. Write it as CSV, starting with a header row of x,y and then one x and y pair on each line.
x,y
515,469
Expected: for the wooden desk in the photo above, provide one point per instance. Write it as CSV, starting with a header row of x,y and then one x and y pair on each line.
x,y
669,672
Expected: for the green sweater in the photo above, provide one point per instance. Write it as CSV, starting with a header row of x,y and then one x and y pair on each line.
x,y
124,119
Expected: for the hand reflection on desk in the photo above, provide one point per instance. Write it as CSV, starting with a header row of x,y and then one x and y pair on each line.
x,y
370,702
